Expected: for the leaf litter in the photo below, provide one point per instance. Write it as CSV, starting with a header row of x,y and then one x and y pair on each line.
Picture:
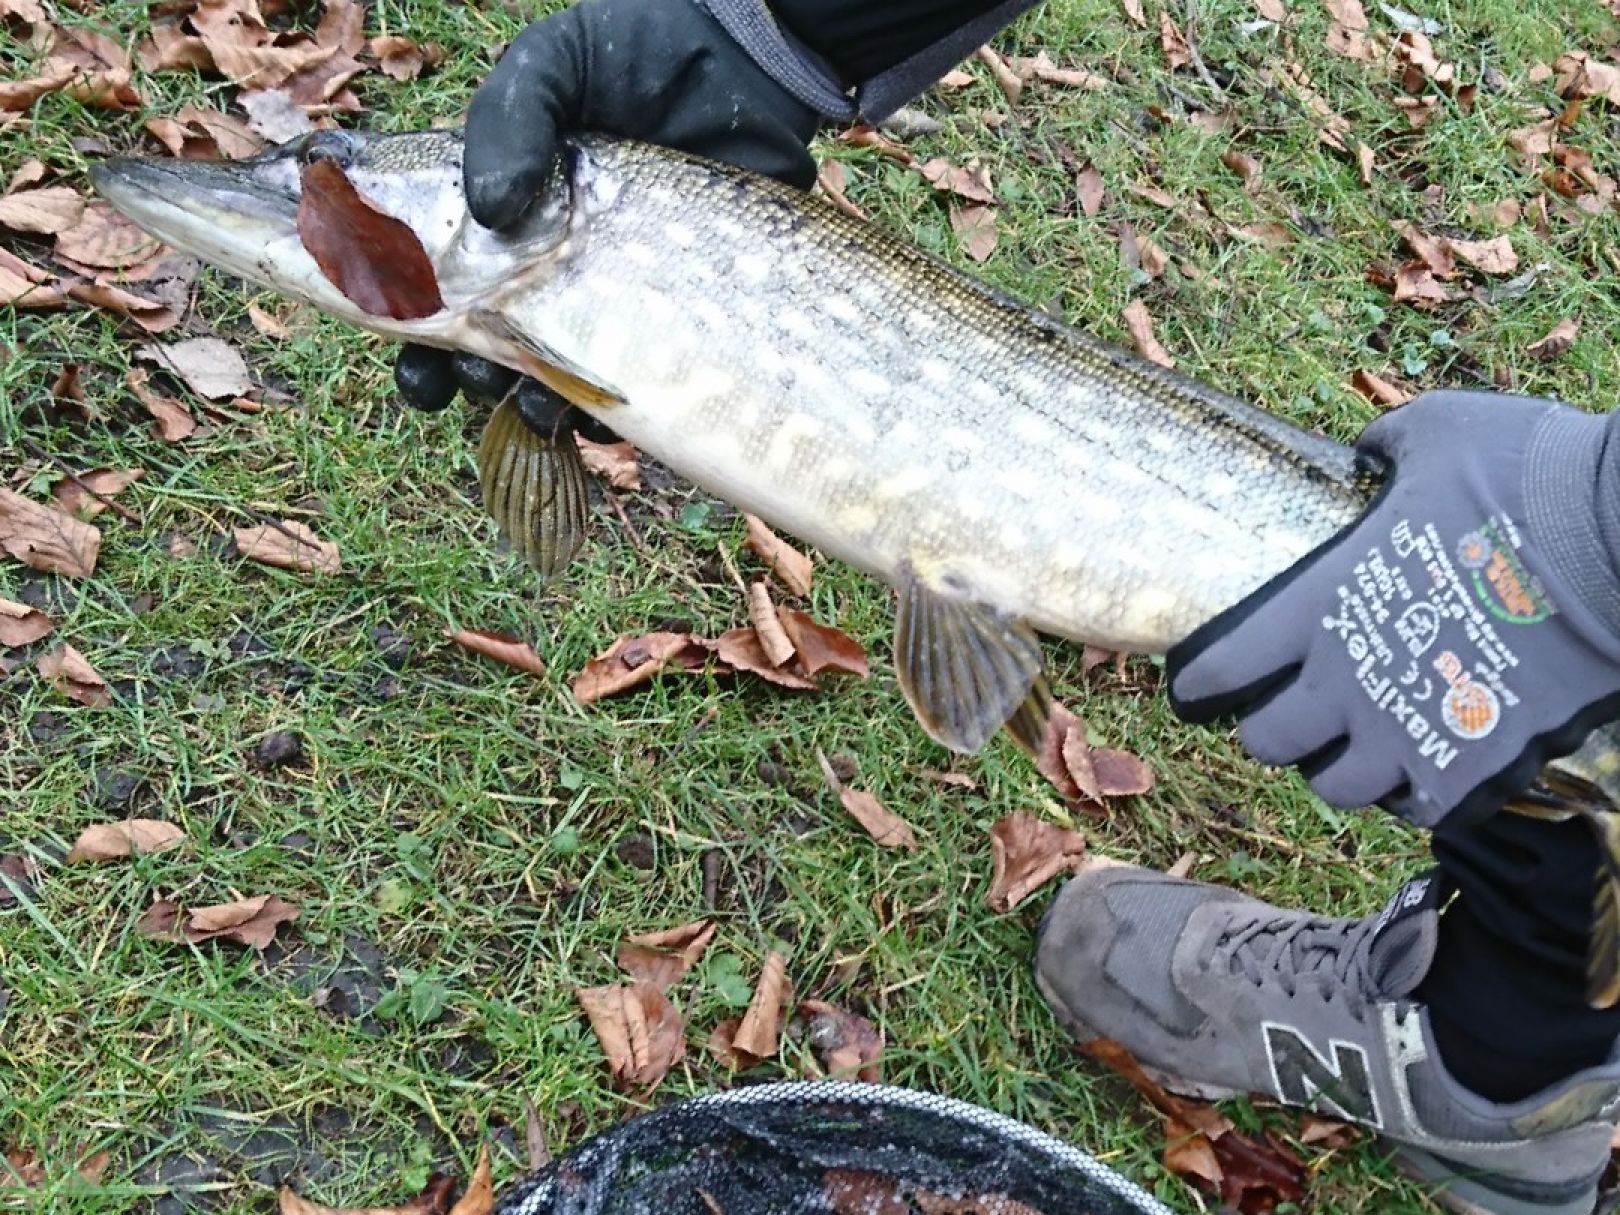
x,y
21,625
71,674
289,545
793,568
251,922
437,1197
118,841
887,829
502,647
641,1034
1026,852
757,1035
847,1045
663,958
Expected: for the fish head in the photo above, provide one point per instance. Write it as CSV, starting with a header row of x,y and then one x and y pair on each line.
x,y
243,217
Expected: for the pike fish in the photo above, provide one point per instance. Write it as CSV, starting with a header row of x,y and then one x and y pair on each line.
x,y
1006,474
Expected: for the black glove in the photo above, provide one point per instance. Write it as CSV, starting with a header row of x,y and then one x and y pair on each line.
x,y
1434,655
659,70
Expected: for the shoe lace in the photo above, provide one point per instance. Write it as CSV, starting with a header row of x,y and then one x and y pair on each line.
x,y
1289,951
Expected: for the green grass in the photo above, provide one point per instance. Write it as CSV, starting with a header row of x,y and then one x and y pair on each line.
x,y
486,842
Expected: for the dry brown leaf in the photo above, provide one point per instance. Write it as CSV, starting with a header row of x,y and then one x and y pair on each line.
x,y
1415,284
759,1034
1536,139
639,1030
975,228
1271,10
1580,75
833,181
1364,162
48,211
171,417
273,114
151,315
1245,166
1027,852
479,1198
209,366
45,539
403,59
615,463
1495,256
25,286
197,133
1177,54
848,1046
781,558
1151,259
1183,865
886,828
251,922
21,624
740,649
1379,390
1119,773
1133,10
502,647
1140,326
820,647
74,496
630,661
268,324
1327,1133
72,675
30,173
1189,1153
1006,79
1432,251
1089,185
663,958
118,841
291,546
105,239
1557,340
1267,233
1040,67
971,183
762,615
433,1200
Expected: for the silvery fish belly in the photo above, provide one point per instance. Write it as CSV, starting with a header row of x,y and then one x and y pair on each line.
x,y
872,401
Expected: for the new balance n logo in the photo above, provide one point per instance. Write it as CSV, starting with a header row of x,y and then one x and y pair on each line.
x,y
1341,1085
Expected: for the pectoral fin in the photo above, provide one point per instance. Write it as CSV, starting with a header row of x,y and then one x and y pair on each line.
x,y
536,359
534,488
966,669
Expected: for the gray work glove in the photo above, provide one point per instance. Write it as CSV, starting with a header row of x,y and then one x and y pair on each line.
x,y
1433,656
663,71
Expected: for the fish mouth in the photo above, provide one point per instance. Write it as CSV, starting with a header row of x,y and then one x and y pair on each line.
x,y
225,212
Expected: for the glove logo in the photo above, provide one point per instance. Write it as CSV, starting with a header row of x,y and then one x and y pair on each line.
x,y
1469,708
1501,583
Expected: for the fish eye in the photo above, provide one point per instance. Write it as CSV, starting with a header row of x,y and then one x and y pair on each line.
x,y
327,145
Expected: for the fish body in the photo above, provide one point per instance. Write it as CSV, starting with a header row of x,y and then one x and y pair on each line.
x,y
1007,474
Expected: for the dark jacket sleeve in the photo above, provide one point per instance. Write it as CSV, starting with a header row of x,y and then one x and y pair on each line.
x,y
861,57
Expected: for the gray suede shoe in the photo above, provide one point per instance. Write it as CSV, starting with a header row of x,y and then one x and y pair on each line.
x,y
1218,994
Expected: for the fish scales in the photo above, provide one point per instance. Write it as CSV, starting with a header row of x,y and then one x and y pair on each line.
x,y
934,422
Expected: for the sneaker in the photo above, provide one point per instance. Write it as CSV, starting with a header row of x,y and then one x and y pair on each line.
x,y
1218,994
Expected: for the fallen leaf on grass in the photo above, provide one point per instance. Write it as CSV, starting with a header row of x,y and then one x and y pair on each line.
x,y
46,211
45,539
1040,67
663,958
1271,10
21,624
1140,326
1379,390
291,546
433,1200
639,1030
741,650
615,463
847,1045
1433,251
975,228
971,183
90,68
741,1043
630,661
1577,74
762,615
104,239
1415,284
502,647
833,181
23,285
209,366
1089,185
1177,54
374,259
268,324
1245,166
781,558
1007,79
195,133
1133,10
74,497
116,841
154,316
1536,139
1494,256
23,1168
1557,340
1081,772
1027,852
820,647
1250,1175
251,922
403,59
172,419
273,114
886,828
1327,1133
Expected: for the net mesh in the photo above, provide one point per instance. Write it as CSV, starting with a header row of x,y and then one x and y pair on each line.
x,y
825,1148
